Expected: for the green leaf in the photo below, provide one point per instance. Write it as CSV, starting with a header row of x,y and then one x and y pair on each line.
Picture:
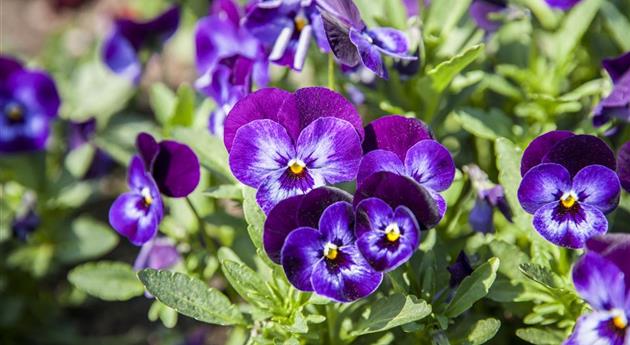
x,y
210,150
248,284
617,24
483,330
184,114
254,216
486,125
442,75
444,15
538,273
539,336
392,311
191,297
78,161
225,191
574,26
509,166
163,102
473,288
87,239
107,280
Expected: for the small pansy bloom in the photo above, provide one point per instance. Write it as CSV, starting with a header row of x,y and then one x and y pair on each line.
x,y
426,161
82,133
386,237
623,162
24,225
489,197
286,144
617,103
353,42
562,4
137,213
602,277
287,27
326,260
568,210
122,47
29,102
459,270
482,11
159,253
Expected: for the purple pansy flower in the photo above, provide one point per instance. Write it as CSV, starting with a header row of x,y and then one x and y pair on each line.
x,y
574,152
562,4
159,253
174,166
286,144
459,270
426,161
568,210
617,103
29,102
228,60
353,42
82,133
24,225
385,237
601,277
482,10
326,260
489,197
286,28
122,46
623,171
137,213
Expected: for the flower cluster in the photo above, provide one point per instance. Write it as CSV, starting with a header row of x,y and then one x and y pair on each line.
x,y
569,185
167,167
291,146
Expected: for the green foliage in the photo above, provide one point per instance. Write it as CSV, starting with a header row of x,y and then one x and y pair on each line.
x,y
473,288
107,280
392,311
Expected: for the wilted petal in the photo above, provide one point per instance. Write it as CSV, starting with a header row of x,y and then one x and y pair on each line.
x,y
579,151
379,160
302,250
543,184
569,228
431,165
459,270
480,11
598,186
599,282
394,133
338,37
539,147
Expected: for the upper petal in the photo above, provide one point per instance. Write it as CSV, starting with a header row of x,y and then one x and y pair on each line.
x,y
394,133
379,160
302,250
543,184
598,186
430,163
579,151
337,223
260,147
539,147
600,282
372,214
176,169
570,228
147,148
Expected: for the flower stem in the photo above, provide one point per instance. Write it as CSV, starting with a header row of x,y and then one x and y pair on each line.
x,y
331,71
206,241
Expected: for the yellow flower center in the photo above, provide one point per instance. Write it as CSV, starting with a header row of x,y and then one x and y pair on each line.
x,y
15,112
392,232
296,166
146,195
568,200
619,320
331,251
300,23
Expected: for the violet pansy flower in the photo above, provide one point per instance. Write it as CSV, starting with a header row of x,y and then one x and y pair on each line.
x,y
386,237
122,47
617,103
481,12
286,144
286,28
426,161
29,102
137,213
623,161
353,42
160,254
326,260
568,210
489,197
562,4
25,224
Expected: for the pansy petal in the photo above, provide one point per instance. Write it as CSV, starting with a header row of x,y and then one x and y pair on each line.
x,y
397,190
337,224
302,250
379,160
346,280
281,184
262,104
391,42
480,217
130,219
579,151
562,4
539,147
281,220
569,228
330,148
120,56
596,328
339,41
623,163
372,214
176,169
260,148
617,67
459,270
598,186
37,90
600,282
481,10
394,133
369,53
137,176
543,184
8,66
315,203
148,149
431,165
440,202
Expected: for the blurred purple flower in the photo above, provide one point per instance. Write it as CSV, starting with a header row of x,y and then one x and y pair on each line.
x,y
81,133
24,225
123,44
459,270
489,197
623,171
29,102
159,253
286,144
353,42
617,103
482,10
562,4
286,28
326,259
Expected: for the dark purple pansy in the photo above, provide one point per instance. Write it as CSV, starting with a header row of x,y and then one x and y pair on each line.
x,y
459,270
229,59
174,166
127,38
617,103
481,12
623,163
562,4
386,237
568,210
394,133
297,211
574,152
353,42
159,253
82,133
29,102
326,260
137,213
24,225
602,280
489,197
286,28
287,144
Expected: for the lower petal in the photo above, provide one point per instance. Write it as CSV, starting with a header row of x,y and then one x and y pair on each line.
x,y
569,228
280,184
302,250
596,328
136,223
600,282
543,184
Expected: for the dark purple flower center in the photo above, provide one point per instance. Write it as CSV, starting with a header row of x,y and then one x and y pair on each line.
x,y
14,112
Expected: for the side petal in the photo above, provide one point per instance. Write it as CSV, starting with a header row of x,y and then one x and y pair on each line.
x,y
176,169
543,184
394,133
572,228
372,214
131,220
302,250
137,176
431,165
331,148
598,186
539,147
337,224
600,282
379,160
579,151
120,56
370,54
260,148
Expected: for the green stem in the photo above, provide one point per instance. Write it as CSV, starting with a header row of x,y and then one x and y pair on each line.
x,y
331,318
331,71
206,241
